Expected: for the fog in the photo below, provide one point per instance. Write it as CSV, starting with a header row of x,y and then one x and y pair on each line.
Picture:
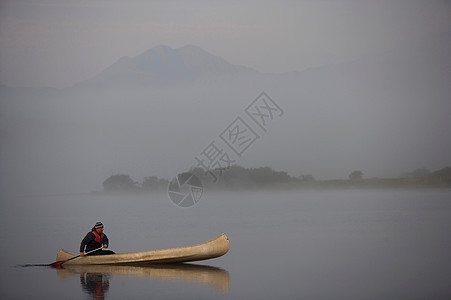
x,y
382,109
317,89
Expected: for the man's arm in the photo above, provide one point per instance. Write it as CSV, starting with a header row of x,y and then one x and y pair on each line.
x,y
89,237
105,241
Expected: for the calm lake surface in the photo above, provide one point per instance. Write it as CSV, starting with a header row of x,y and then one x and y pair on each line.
x,y
378,244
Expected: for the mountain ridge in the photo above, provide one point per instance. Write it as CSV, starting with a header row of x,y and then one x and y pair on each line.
x,y
166,66
163,65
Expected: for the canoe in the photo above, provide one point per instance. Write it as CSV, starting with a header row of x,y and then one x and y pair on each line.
x,y
211,249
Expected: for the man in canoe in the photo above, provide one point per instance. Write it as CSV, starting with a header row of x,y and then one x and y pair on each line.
x,y
94,240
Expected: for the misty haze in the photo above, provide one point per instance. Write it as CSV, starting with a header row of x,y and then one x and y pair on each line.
x,y
153,113
348,176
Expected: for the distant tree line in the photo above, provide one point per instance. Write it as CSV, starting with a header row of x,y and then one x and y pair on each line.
x,y
124,183
239,178
442,174
356,175
235,177
417,173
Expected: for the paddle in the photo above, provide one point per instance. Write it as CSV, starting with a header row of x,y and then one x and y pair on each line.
x,y
60,262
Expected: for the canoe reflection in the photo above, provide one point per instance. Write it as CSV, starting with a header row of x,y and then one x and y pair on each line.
x,y
95,277
95,284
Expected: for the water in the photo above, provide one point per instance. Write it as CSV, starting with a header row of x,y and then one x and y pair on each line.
x,y
378,244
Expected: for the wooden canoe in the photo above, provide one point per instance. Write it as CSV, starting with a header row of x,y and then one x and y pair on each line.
x,y
211,249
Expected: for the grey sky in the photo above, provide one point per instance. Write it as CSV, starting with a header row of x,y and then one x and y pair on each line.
x,y
59,43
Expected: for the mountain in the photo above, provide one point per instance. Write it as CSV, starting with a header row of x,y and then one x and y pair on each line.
x,y
163,65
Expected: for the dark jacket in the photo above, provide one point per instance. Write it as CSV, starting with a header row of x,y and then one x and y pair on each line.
x,y
90,243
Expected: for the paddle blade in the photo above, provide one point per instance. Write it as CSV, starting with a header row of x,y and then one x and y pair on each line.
x,y
58,263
